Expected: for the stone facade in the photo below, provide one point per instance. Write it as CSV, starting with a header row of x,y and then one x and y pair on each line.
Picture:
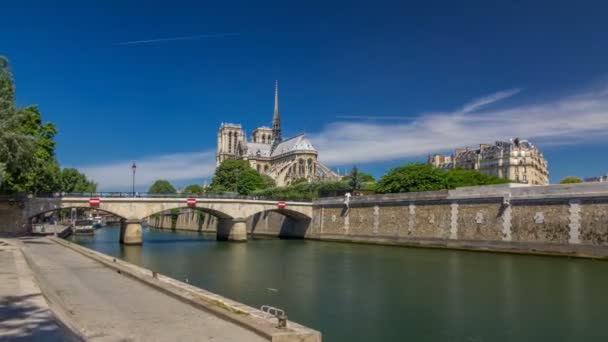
x,y
516,160
284,160
557,219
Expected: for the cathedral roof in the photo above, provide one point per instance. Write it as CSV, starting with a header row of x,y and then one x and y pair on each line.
x,y
297,143
254,148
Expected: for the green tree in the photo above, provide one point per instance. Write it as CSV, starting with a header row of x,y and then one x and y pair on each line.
x,y
161,186
16,147
42,172
237,176
74,181
459,177
359,180
412,177
571,180
193,189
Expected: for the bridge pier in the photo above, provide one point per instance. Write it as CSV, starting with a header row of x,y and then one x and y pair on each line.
x,y
232,230
130,232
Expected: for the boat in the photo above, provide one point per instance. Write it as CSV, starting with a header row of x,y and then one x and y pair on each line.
x,y
83,227
97,222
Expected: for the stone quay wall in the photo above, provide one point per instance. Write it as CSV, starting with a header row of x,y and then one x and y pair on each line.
x,y
554,219
13,221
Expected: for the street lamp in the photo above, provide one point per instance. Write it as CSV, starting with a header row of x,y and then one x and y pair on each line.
x,y
133,167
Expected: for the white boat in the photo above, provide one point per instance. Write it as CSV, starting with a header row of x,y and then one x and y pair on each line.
x,y
97,222
83,227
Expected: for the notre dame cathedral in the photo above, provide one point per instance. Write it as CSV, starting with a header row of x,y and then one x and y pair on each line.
x,y
284,160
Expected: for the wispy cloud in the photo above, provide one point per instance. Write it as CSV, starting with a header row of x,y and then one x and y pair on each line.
x,y
170,39
567,120
116,176
487,100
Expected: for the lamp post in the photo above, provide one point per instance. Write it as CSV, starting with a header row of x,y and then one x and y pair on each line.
x,y
133,167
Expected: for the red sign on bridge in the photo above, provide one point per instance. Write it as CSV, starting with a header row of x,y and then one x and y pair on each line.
x,y
281,204
94,201
191,201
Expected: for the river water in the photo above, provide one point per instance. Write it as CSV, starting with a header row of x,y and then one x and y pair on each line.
x,y
354,292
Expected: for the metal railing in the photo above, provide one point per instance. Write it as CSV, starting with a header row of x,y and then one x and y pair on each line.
x,y
149,195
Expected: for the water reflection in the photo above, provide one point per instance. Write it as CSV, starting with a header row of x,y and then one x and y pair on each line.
x,y
374,293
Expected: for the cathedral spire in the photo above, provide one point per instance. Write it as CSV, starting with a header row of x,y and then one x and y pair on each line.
x,y
276,118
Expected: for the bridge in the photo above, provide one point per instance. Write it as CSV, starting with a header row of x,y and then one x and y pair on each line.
x,y
232,213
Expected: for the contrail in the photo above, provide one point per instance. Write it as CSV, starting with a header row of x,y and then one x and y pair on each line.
x,y
372,117
200,36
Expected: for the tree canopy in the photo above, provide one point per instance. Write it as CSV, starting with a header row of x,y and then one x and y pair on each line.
x,y
571,180
193,189
425,177
412,177
27,146
161,186
237,176
74,181
359,180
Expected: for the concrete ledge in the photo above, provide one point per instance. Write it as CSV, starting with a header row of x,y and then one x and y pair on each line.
x,y
250,318
542,249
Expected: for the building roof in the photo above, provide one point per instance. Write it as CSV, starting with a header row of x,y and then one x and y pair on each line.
x,y
254,148
297,143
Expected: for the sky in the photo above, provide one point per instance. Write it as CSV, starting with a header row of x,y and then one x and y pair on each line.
x,y
373,83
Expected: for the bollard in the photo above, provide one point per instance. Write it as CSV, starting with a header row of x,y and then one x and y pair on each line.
x,y
280,315
282,321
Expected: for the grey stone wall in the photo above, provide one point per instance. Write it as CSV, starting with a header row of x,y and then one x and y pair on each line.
x,y
556,219
12,218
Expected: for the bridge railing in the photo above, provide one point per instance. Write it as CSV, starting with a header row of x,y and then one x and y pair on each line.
x,y
149,195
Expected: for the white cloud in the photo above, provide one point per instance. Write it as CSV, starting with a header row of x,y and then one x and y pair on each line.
x,y
567,120
172,167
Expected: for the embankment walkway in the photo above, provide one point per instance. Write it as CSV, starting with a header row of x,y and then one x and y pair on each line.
x,y
103,305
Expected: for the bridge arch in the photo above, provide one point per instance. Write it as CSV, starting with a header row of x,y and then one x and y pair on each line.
x,y
33,214
281,222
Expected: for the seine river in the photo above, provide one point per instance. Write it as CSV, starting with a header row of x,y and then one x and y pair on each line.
x,y
374,293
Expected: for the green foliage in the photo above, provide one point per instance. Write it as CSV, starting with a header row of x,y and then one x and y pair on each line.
x,y
412,177
42,172
359,180
425,177
237,176
301,180
161,186
74,181
16,147
459,177
571,180
193,189
303,190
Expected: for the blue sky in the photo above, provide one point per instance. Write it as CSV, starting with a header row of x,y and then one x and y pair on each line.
x,y
372,83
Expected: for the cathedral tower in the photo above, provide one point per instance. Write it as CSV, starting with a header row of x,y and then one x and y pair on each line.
x,y
276,119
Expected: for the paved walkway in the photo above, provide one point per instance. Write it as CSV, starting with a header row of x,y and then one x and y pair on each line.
x,y
108,306
24,313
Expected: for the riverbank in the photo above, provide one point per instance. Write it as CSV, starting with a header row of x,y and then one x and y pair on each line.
x,y
90,292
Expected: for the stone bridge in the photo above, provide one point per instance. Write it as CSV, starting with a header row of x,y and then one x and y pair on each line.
x,y
232,214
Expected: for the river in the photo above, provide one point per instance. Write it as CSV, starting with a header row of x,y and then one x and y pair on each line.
x,y
353,292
